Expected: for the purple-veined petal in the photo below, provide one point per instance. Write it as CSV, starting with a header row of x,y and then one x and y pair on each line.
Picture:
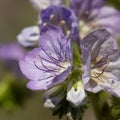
x,y
94,40
49,64
88,84
86,64
52,40
109,80
105,67
95,45
30,65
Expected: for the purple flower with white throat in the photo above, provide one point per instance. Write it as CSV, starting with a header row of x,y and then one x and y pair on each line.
x,y
101,62
49,64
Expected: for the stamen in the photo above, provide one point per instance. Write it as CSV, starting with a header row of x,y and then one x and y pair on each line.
x,y
52,16
97,74
51,62
45,70
62,22
68,33
98,77
44,24
101,62
46,67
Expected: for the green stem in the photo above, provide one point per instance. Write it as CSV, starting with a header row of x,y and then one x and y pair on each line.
x,y
67,3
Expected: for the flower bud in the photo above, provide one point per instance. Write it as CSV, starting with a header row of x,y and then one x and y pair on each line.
x,y
76,94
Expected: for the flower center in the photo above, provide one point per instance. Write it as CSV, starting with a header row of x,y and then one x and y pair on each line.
x,y
98,69
97,75
64,66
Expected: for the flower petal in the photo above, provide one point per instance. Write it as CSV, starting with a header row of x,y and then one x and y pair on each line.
x,y
52,40
39,85
32,67
49,64
57,15
106,17
112,83
93,45
83,7
94,40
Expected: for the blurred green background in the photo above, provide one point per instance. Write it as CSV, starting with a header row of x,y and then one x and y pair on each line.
x,y
14,16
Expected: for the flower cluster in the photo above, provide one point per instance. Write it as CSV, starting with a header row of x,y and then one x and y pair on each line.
x,y
84,32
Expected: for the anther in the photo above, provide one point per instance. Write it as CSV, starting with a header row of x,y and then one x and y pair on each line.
x,y
44,24
52,16
68,33
62,22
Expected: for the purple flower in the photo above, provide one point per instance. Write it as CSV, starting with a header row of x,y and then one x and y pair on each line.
x,y
49,64
57,15
62,17
105,19
84,7
93,14
11,53
101,62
